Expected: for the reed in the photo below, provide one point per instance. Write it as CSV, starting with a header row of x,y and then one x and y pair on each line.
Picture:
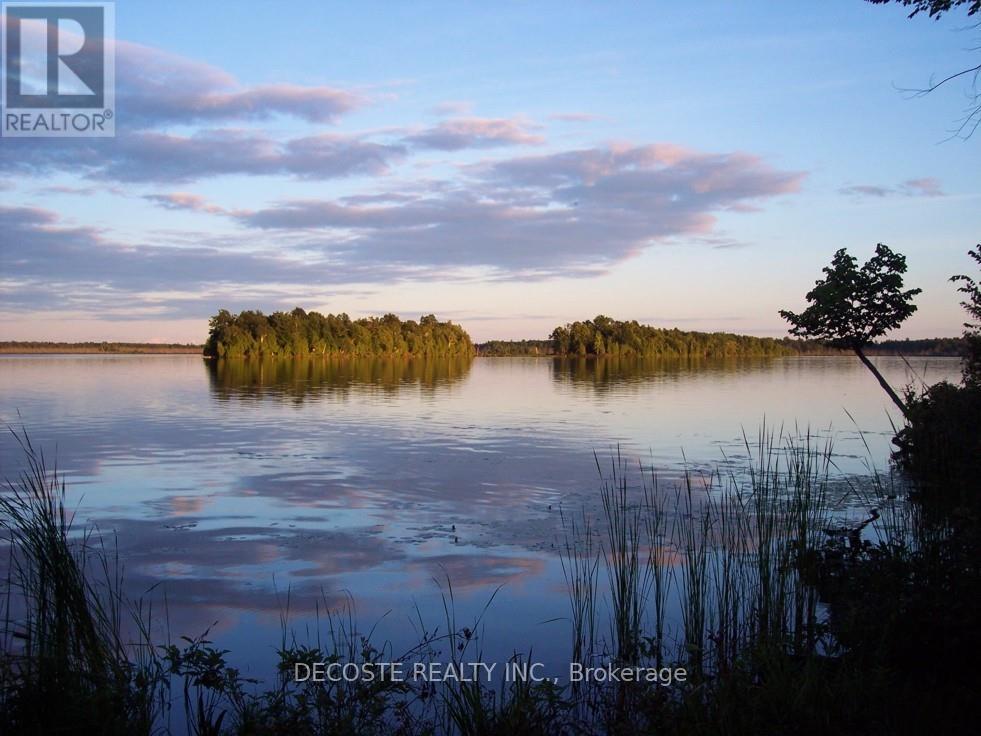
x,y
729,550
658,563
63,629
628,576
580,566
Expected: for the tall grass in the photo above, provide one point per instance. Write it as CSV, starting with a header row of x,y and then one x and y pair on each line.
x,y
580,566
63,623
728,550
658,562
628,576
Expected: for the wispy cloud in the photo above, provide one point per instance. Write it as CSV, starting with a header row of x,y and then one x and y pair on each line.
x,y
866,190
185,201
86,191
152,156
575,117
460,133
453,107
923,187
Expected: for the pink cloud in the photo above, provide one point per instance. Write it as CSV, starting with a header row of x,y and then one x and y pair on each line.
x,y
923,187
574,117
460,133
155,88
185,201
453,107
170,157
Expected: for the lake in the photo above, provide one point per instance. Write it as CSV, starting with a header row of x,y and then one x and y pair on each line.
x,y
241,489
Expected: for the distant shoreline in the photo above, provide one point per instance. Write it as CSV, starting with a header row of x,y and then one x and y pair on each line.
x,y
97,348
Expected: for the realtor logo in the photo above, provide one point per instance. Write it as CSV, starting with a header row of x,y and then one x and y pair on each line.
x,y
58,69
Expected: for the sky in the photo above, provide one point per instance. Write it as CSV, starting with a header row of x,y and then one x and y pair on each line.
x,y
511,166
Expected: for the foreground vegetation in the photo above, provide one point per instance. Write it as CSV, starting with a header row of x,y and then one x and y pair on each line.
x,y
298,334
941,442
785,618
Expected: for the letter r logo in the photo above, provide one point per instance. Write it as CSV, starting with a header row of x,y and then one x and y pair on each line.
x,y
54,56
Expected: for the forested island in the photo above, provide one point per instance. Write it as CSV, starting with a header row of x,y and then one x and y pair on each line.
x,y
603,336
299,333
606,336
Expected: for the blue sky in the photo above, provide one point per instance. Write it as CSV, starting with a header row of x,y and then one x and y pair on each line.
x,y
511,166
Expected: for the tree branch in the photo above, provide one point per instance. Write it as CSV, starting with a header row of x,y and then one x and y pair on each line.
x,y
932,87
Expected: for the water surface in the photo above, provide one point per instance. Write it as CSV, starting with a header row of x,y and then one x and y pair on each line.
x,y
236,487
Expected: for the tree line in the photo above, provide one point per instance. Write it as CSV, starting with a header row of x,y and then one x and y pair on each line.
x,y
515,348
41,346
299,333
606,336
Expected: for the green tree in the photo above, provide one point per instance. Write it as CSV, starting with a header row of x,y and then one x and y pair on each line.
x,y
852,306
560,340
217,331
972,328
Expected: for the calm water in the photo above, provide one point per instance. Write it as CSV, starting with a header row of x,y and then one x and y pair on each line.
x,y
235,485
